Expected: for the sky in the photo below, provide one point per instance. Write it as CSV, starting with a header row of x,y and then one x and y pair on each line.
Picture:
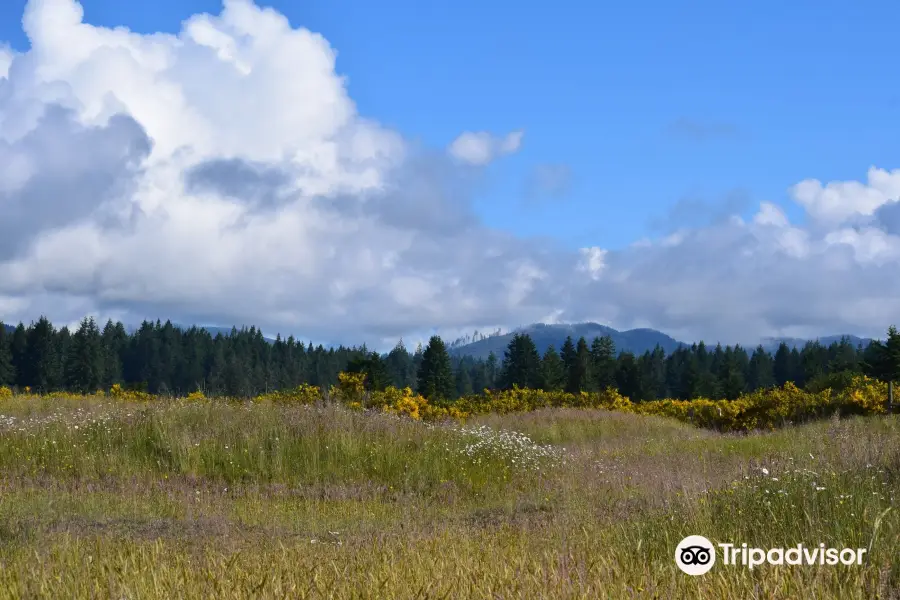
x,y
350,171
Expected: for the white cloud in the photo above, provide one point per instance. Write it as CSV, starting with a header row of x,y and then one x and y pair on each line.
x,y
593,261
223,175
480,148
6,59
839,201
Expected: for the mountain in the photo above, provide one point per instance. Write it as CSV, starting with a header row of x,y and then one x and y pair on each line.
x,y
637,341
771,344
8,328
633,340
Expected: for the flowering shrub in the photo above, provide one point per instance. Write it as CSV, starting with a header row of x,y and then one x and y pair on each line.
x,y
351,387
197,396
762,409
302,394
118,393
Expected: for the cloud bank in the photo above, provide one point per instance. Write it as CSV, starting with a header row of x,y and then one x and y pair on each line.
x,y
224,176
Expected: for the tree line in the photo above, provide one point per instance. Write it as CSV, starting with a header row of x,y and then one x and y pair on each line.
x,y
162,358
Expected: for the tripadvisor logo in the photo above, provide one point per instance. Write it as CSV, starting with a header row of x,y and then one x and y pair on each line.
x,y
695,555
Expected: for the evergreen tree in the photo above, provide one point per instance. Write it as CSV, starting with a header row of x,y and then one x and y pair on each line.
x,y
578,375
628,377
883,358
760,373
19,349
463,381
42,359
813,361
400,367
689,384
374,368
217,367
783,367
842,357
521,364
7,370
553,372
435,376
797,374
84,360
652,368
114,341
491,371
731,375
569,359
603,363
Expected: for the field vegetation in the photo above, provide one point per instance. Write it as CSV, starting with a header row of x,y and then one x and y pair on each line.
x,y
346,493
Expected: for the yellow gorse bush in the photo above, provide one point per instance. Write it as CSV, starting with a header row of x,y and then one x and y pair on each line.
x,y
302,394
762,409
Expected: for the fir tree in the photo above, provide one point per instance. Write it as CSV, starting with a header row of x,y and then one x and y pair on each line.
x,y
553,371
7,370
435,376
521,364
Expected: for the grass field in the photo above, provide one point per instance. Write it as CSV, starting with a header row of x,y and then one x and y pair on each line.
x,y
108,499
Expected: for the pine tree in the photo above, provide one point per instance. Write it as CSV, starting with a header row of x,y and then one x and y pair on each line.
x,y
553,372
84,358
731,375
19,349
760,374
491,370
218,367
569,359
7,371
521,364
114,340
783,368
628,377
689,384
42,359
883,358
463,381
374,368
400,367
435,376
603,363
579,375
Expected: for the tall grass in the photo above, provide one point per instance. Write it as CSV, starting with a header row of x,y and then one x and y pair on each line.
x,y
100,499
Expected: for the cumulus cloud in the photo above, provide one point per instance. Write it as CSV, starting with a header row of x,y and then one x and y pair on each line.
x,y
839,201
223,175
6,58
481,147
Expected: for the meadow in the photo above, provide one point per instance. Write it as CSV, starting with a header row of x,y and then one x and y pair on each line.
x,y
104,497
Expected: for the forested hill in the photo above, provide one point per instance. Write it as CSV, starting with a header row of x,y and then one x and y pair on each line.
x,y
636,341
162,358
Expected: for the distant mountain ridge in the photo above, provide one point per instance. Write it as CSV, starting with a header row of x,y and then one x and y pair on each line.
x,y
636,341
771,344
632,340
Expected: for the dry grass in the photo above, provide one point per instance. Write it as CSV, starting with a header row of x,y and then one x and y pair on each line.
x,y
200,500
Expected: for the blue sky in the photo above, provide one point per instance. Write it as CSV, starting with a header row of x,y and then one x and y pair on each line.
x,y
647,103
243,181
